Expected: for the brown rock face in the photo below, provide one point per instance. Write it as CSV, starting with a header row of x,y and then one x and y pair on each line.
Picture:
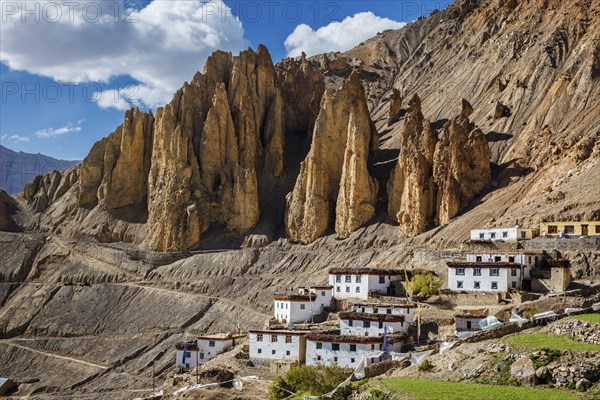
x,y
46,189
343,123
461,164
411,192
395,107
435,178
7,207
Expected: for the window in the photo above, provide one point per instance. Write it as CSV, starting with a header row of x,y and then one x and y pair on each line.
x,y
273,352
302,306
552,229
511,259
481,236
358,289
523,235
211,343
366,324
338,279
493,235
358,278
286,306
513,272
202,356
459,284
497,259
372,347
352,347
476,285
322,293
352,360
380,326
350,322
494,285
598,229
468,324
287,352
478,258
318,358
348,278
259,337
504,234
514,284
273,338
188,354
347,289
319,345
494,272
388,311
382,279
476,271
460,271
335,359
259,351
288,339
335,346
337,289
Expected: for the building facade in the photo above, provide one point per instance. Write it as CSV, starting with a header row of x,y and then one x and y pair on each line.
x,y
468,321
569,229
364,324
186,355
346,351
504,234
303,305
271,345
485,276
408,311
358,283
211,346
529,259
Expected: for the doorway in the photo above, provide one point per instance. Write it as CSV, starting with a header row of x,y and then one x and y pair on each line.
x,y
584,230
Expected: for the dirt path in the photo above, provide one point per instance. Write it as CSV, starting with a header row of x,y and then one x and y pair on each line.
x,y
70,359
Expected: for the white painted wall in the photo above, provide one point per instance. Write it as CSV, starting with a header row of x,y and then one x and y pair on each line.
x,y
300,311
344,357
190,361
266,349
359,286
370,328
324,297
209,349
525,258
504,280
502,234
408,312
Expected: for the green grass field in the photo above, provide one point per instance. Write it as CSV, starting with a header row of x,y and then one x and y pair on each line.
x,y
587,317
541,341
418,389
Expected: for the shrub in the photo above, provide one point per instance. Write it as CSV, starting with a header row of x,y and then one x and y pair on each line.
x,y
310,380
544,357
377,394
426,366
425,285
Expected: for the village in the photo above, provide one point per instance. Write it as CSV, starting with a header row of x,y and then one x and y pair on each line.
x,y
365,317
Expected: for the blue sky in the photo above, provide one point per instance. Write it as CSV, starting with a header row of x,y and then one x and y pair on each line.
x,y
69,70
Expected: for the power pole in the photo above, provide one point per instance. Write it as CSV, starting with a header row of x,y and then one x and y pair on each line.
x,y
153,378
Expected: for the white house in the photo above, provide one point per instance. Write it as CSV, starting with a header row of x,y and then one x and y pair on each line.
x,y
504,234
187,355
529,259
468,321
211,346
407,310
277,345
364,324
346,351
301,306
358,283
485,276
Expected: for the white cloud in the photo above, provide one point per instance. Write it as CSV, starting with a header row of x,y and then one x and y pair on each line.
x,y
337,36
51,132
160,46
14,138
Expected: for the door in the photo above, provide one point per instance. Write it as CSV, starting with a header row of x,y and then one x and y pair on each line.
x,y
584,230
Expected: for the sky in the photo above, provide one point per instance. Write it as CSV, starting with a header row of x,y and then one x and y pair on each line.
x,y
69,69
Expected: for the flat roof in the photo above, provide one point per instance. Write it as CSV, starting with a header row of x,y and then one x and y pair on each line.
x,y
471,314
571,222
191,346
501,252
321,287
466,264
359,316
290,296
366,271
337,338
504,228
220,336
385,305
281,332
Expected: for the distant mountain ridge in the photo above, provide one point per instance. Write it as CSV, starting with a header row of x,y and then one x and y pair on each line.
x,y
18,168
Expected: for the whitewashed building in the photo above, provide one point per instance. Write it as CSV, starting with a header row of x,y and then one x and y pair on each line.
x,y
346,351
407,310
484,276
468,321
186,355
528,259
277,345
301,306
358,283
504,234
368,324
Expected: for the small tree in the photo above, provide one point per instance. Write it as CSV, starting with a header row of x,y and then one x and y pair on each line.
x,y
425,285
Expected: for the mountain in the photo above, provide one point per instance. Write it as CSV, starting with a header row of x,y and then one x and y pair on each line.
x,y
17,169
260,176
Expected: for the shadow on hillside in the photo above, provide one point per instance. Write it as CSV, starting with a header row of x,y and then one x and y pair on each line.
x,y
498,136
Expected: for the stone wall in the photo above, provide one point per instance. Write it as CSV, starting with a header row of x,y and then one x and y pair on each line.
x,y
584,331
470,299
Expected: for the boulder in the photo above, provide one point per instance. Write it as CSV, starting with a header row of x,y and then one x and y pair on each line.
x,y
523,372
